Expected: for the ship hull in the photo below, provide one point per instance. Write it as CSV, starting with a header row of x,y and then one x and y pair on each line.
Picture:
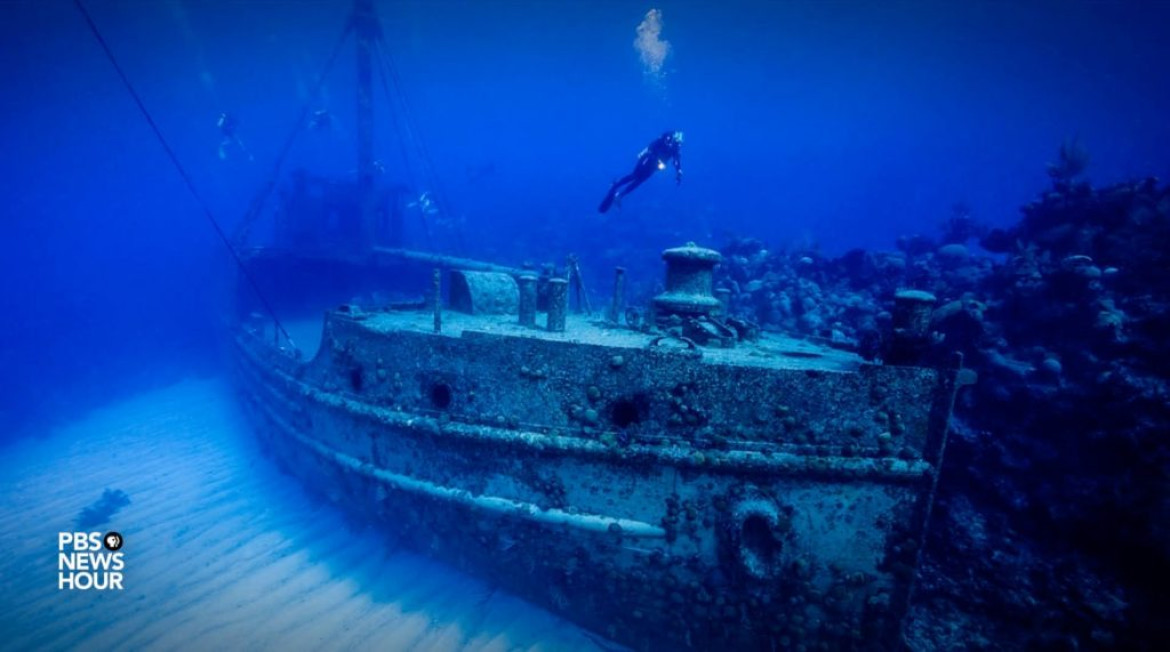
x,y
553,471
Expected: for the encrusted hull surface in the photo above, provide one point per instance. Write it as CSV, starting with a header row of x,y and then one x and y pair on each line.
x,y
759,499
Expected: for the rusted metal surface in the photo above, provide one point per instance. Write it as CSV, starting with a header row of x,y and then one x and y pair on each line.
x,y
664,495
491,293
688,282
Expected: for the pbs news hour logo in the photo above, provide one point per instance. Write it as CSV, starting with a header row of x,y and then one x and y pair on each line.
x,y
89,561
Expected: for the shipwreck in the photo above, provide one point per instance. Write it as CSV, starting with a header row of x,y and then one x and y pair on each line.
x,y
664,475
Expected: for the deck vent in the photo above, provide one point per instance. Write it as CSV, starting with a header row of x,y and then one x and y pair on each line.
x,y
484,293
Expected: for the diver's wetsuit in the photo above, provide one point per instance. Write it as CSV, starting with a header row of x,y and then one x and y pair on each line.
x,y
665,148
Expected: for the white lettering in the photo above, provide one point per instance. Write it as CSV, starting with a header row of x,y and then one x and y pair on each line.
x,y
94,569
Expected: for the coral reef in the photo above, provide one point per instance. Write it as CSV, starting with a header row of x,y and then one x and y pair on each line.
x,y
1054,507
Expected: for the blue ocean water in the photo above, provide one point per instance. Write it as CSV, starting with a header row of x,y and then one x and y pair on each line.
x,y
810,126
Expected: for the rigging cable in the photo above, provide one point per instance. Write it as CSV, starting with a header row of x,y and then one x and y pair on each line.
x,y
387,61
258,201
182,172
401,129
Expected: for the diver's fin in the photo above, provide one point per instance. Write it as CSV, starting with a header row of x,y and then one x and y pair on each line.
x,y
609,199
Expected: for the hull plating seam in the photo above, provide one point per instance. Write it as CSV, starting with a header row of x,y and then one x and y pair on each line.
x,y
885,469
491,504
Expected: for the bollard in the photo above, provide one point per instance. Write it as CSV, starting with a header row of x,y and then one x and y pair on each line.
x,y
689,272
911,326
558,300
619,288
437,299
527,306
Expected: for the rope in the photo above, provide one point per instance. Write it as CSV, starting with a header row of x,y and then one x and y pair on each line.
x,y
179,167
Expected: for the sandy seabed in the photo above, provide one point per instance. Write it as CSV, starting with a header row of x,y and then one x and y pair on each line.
x,y
222,551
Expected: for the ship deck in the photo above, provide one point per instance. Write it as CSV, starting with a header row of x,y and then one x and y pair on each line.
x,y
772,350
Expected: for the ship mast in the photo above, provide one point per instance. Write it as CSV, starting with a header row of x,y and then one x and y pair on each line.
x,y
366,31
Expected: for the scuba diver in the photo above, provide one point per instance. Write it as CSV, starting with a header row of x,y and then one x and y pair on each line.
x,y
664,149
321,120
425,204
228,124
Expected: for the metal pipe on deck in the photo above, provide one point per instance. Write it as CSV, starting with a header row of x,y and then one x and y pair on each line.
x,y
619,288
446,262
437,298
558,304
527,305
